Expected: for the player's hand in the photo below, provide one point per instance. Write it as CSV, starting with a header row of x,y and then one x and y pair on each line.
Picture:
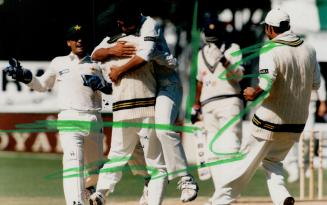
x,y
18,73
322,109
251,93
121,49
114,74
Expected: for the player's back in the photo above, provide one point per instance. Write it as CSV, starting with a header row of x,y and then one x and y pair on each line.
x,y
134,94
290,93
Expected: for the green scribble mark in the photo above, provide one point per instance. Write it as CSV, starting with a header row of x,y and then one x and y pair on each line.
x,y
73,125
65,173
228,157
78,125
257,50
155,174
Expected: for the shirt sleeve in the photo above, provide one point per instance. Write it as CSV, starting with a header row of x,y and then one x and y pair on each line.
x,y
46,81
234,56
149,33
267,71
316,77
322,89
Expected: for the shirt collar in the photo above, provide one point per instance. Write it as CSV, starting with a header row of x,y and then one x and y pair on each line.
x,y
288,38
73,57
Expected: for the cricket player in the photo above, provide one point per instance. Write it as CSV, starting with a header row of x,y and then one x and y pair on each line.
x,y
153,48
133,102
79,81
288,73
218,96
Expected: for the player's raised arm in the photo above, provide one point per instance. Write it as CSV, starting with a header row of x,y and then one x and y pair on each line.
x,y
102,52
40,84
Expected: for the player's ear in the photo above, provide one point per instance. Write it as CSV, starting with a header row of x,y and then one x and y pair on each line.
x,y
69,43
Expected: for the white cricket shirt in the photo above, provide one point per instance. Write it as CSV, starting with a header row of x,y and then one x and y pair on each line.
x,y
211,72
66,72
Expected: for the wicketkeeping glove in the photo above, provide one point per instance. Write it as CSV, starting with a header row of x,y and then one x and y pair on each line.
x,y
18,73
96,83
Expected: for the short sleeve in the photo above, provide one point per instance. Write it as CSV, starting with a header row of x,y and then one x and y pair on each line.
x,y
316,77
149,34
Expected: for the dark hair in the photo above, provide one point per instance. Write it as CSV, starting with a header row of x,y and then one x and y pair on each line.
x,y
127,11
283,26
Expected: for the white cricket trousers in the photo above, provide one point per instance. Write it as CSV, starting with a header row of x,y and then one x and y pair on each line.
x,y
166,111
291,162
219,117
123,142
174,155
81,138
215,118
237,174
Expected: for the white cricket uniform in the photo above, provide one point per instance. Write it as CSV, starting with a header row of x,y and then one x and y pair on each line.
x,y
220,101
133,102
82,146
153,47
279,120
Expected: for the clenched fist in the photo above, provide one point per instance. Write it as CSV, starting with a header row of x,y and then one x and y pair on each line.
x,y
251,93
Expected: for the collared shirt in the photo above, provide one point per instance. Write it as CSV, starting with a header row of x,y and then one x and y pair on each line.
x,y
66,72
289,72
211,71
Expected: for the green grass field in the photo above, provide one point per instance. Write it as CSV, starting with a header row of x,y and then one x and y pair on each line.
x,y
23,175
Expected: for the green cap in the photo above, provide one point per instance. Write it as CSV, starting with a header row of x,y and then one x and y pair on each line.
x,y
76,32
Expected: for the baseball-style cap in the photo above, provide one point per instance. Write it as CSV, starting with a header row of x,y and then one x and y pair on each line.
x,y
275,16
76,32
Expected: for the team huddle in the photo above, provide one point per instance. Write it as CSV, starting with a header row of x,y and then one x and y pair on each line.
x,y
138,70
